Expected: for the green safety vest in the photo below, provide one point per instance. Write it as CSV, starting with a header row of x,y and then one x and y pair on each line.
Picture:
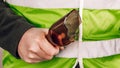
x,y
101,34
43,14
98,45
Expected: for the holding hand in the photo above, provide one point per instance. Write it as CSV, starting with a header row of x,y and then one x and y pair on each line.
x,y
34,47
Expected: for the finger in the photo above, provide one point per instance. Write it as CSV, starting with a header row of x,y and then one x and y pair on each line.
x,y
44,55
33,60
40,53
57,50
33,56
48,48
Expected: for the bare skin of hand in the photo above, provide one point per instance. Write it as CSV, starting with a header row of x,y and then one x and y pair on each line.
x,y
34,47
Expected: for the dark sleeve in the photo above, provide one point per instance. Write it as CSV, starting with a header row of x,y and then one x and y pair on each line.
x,y
12,27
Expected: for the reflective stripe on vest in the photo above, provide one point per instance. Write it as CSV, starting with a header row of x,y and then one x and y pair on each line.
x,y
70,51
94,49
102,4
46,3
101,34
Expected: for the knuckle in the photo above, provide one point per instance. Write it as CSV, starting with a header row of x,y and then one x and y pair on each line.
x,y
48,57
30,56
52,53
28,61
30,49
37,39
34,50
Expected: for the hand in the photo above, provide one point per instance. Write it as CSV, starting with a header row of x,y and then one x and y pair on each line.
x,y
34,47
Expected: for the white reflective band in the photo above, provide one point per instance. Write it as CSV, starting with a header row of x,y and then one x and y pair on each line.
x,y
91,49
95,49
46,3
102,4
70,51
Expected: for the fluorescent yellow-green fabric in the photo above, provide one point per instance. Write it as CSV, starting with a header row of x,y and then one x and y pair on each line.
x,y
42,18
102,24
99,25
11,62
104,62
